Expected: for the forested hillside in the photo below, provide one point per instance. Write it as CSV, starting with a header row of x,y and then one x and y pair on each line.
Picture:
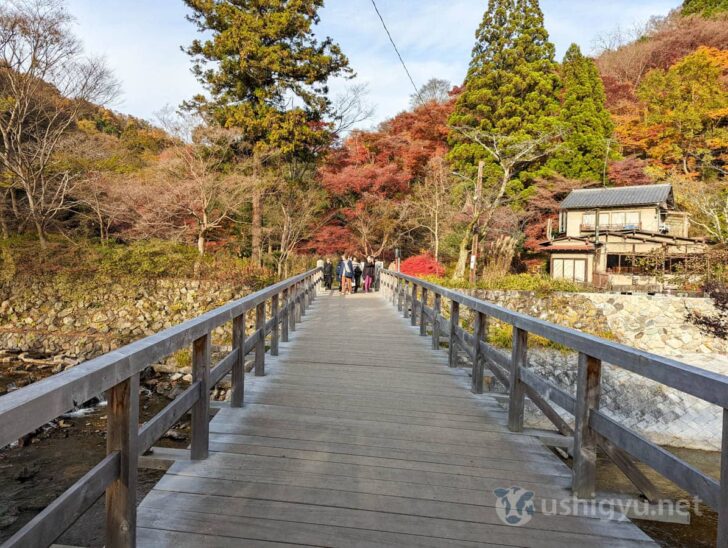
x,y
263,171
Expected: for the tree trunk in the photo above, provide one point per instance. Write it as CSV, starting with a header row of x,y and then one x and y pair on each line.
x,y
201,243
4,228
41,234
256,230
462,263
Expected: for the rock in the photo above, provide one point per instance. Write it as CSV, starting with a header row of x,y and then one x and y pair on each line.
x,y
175,377
175,435
187,378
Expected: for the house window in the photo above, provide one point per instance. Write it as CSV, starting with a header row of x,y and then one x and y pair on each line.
x,y
589,219
632,220
618,219
569,269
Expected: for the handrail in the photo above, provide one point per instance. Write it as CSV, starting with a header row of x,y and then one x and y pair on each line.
x,y
592,427
117,374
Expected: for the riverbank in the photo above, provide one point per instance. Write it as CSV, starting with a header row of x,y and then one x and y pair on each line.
x,y
38,468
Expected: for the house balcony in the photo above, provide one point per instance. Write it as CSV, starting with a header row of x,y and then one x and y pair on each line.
x,y
611,228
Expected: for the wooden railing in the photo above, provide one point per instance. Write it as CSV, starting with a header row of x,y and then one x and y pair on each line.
x,y
117,374
592,427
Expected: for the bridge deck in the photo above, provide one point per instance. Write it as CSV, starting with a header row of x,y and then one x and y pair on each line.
x,y
360,435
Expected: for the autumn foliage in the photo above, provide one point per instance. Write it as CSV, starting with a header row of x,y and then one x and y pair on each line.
x,y
422,265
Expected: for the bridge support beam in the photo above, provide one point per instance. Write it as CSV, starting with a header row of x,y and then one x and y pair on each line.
x,y
588,392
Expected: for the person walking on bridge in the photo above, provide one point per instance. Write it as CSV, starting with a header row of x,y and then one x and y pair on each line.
x,y
369,270
328,273
345,271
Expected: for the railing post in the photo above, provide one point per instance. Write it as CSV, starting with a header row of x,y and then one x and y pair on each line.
x,y
286,315
423,313
405,298
237,374
723,496
260,342
292,304
478,357
588,391
299,301
517,393
393,288
201,409
436,322
400,288
122,429
454,324
276,326
413,313
304,297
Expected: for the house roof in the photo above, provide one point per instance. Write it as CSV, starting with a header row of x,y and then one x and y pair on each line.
x,y
588,198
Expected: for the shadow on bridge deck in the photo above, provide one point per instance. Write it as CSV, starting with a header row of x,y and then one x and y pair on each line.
x,y
360,435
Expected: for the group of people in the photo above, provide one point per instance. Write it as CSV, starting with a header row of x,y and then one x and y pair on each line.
x,y
351,273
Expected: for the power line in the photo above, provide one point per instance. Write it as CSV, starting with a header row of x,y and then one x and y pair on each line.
x,y
414,86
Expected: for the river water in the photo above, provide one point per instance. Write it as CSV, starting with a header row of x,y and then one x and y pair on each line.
x,y
32,476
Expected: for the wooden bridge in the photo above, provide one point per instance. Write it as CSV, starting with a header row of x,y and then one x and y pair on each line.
x,y
357,429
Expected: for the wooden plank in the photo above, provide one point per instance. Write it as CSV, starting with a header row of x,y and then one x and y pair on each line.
x,y
122,413
158,425
201,410
237,377
517,394
49,524
260,344
588,392
358,427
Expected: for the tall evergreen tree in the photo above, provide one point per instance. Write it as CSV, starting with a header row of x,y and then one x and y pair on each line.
x,y
585,120
507,112
510,90
259,61
265,73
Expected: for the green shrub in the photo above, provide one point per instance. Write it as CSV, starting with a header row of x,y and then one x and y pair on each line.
x,y
512,282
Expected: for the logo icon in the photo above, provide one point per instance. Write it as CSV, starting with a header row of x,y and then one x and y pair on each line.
x,y
514,506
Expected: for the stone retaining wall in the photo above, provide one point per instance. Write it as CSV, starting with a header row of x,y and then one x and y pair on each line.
x,y
82,320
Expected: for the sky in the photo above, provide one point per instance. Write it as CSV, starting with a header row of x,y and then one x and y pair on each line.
x,y
141,39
